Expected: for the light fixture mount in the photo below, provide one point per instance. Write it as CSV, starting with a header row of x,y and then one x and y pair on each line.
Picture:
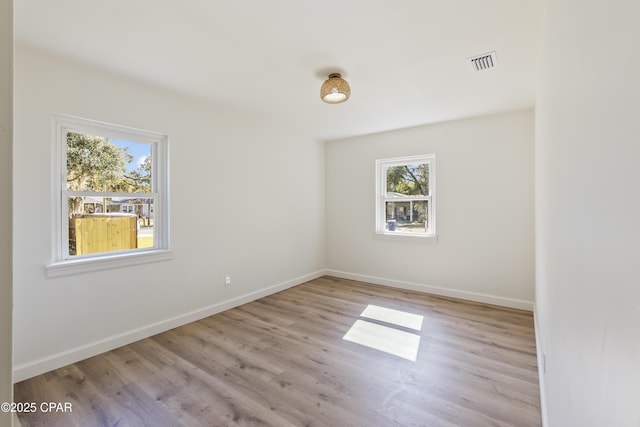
x,y
335,89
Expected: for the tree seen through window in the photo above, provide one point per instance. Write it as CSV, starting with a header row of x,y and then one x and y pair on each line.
x,y
109,185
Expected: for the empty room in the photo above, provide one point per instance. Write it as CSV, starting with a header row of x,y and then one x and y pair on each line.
x,y
357,213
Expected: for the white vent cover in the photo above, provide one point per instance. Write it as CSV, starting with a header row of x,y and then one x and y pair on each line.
x,y
484,62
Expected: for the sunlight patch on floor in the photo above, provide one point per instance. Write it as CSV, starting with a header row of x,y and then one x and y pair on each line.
x,y
387,337
394,317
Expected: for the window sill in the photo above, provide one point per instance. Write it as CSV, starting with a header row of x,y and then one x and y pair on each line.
x,y
406,237
87,265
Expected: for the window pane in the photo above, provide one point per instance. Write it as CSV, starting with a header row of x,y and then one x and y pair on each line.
x,y
407,217
107,224
95,163
408,180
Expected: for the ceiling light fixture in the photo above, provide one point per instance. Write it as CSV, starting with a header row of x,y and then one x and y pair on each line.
x,y
335,89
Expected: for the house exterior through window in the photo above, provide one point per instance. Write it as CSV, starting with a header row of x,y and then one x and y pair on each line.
x,y
405,196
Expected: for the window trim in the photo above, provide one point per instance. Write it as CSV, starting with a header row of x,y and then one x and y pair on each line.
x,y
61,263
380,209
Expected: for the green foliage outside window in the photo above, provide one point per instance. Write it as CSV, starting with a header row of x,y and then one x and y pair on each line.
x,y
410,180
95,164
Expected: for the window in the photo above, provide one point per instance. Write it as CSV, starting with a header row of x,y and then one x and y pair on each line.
x,y
405,196
110,189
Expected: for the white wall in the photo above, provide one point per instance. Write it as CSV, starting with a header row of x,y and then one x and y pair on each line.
x,y
484,210
6,124
247,199
588,213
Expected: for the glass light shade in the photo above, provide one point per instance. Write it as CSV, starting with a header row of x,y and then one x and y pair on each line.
x,y
335,89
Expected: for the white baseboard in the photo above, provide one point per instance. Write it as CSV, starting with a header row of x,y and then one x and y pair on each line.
x,y
541,369
49,363
436,290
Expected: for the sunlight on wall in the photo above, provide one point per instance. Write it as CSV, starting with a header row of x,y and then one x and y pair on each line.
x,y
390,339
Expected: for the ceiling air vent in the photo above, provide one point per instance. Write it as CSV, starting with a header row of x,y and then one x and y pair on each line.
x,y
484,62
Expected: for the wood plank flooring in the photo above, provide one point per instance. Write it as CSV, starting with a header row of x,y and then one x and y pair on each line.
x,y
282,361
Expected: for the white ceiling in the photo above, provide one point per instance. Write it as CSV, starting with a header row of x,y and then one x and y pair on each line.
x,y
405,60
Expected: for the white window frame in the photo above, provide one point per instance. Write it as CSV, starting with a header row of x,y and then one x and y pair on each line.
x,y
62,263
382,165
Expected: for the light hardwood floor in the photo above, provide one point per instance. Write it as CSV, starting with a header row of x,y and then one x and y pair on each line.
x,y
282,361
